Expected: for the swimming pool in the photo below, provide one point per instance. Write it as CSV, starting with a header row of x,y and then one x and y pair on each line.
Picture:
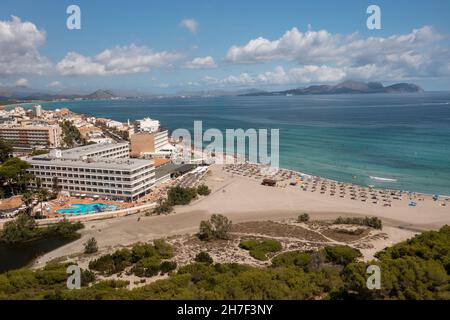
x,y
79,208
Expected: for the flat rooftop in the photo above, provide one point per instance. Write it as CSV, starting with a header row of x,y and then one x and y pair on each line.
x,y
91,163
76,153
171,168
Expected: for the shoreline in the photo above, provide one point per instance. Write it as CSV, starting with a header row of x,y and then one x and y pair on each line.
x,y
242,159
374,178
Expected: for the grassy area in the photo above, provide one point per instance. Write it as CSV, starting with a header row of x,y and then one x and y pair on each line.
x,y
260,249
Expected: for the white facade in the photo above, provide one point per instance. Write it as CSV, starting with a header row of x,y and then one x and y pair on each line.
x,y
103,150
161,140
114,124
147,125
95,170
38,111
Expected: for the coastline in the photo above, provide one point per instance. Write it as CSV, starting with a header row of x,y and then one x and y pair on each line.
x,y
406,180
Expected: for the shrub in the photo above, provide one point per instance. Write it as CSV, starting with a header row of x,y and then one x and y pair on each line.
x,y
342,255
167,266
304,217
203,190
260,249
204,257
206,232
90,246
163,208
218,227
147,267
293,258
372,222
112,263
181,196
64,229
141,251
87,277
163,249
21,229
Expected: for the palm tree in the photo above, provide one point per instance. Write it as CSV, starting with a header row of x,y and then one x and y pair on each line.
x,y
27,198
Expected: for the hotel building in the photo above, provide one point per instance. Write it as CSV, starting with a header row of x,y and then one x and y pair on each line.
x,y
151,144
26,135
103,170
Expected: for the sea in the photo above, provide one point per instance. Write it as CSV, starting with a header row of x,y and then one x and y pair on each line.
x,y
396,141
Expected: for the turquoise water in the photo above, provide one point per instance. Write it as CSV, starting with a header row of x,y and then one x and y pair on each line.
x,y
78,208
401,141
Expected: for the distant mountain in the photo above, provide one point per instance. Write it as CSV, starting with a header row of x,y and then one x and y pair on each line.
x,y
100,95
21,94
345,87
219,93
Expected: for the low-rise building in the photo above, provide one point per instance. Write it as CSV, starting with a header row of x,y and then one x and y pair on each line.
x,y
32,135
102,170
147,125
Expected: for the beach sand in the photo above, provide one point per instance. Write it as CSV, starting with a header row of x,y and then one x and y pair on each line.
x,y
244,199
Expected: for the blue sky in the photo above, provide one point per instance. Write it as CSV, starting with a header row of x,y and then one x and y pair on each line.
x,y
145,46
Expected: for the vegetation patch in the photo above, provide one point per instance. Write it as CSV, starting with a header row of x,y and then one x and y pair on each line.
x,y
342,255
260,249
415,269
372,222
203,190
181,196
204,257
216,228
24,228
275,229
145,260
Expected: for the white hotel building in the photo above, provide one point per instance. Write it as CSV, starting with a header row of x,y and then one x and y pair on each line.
x,y
103,170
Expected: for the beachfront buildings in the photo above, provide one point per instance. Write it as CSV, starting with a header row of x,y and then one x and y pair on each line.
x,y
147,125
101,170
154,144
32,135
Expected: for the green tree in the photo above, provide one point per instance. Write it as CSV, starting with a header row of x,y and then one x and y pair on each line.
x,y
14,175
90,246
203,190
22,228
6,150
71,135
204,257
180,196
168,266
218,227
342,254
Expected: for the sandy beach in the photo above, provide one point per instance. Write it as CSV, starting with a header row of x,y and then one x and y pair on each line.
x,y
243,198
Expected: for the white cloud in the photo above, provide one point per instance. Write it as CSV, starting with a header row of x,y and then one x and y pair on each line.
x,y
21,83
55,84
201,63
19,43
116,61
416,54
190,24
304,75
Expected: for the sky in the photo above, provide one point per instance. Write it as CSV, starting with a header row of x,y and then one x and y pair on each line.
x,y
193,45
